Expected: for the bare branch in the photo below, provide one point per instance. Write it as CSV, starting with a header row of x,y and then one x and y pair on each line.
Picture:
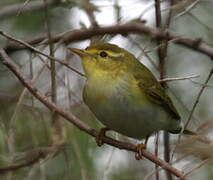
x,y
201,84
161,59
178,78
138,28
187,9
90,9
30,7
18,166
57,137
40,52
33,156
198,97
197,167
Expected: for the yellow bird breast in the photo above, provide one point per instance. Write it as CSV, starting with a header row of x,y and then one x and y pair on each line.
x,y
123,107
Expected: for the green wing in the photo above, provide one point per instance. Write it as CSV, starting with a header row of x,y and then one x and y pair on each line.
x,y
153,89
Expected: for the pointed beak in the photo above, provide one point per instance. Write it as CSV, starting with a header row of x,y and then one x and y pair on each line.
x,y
80,52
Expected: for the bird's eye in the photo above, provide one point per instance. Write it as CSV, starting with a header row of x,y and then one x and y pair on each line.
x,y
103,54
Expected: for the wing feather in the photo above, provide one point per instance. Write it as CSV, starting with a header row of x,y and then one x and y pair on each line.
x,y
153,89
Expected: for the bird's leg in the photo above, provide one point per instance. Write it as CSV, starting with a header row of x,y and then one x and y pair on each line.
x,y
101,134
139,153
140,148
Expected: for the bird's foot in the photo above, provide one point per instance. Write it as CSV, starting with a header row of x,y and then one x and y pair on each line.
x,y
139,153
101,134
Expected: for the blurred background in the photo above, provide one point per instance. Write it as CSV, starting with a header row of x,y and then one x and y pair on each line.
x,y
38,144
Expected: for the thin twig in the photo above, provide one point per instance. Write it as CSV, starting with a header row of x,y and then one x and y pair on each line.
x,y
178,78
159,46
162,55
89,9
40,52
201,84
117,9
57,129
196,167
23,6
15,9
156,154
148,8
143,51
200,22
21,165
108,165
188,9
198,98
161,68
194,106
33,156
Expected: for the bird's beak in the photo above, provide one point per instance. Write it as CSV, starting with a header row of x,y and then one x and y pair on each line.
x,y
80,52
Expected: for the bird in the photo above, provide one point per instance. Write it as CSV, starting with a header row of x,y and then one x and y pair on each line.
x,y
124,95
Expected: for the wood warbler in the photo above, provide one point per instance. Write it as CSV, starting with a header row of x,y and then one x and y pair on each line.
x,y
123,94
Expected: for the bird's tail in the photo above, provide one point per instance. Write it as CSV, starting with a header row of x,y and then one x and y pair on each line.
x,y
189,132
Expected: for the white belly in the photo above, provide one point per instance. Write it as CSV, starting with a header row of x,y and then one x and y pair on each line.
x,y
118,111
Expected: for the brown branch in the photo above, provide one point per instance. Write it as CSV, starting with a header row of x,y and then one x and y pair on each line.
x,y
198,98
204,162
143,52
138,28
195,105
18,166
72,119
90,9
39,52
30,7
201,84
33,156
156,154
187,9
194,17
178,78
56,125
158,13
161,59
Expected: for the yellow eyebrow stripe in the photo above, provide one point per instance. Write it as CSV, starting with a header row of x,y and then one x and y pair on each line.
x,y
110,53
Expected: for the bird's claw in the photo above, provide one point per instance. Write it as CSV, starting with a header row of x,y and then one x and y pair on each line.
x,y
101,134
139,149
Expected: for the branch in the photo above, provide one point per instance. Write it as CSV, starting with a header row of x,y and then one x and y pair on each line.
x,y
90,9
187,9
198,98
138,28
40,52
21,165
178,78
33,156
72,119
161,59
30,7
197,167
